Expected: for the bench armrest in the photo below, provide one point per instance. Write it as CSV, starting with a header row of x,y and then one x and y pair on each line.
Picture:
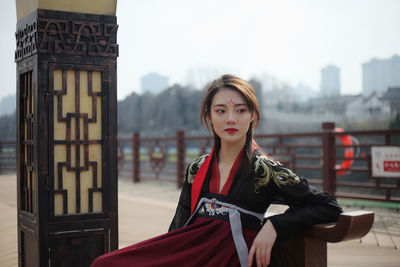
x,y
351,225
309,249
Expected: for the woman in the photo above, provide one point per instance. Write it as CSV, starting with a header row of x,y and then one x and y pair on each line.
x,y
220,214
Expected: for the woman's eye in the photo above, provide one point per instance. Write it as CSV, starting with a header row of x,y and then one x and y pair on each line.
x,y
220,111
242,110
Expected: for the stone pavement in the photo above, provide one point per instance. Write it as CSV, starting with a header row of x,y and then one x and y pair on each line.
x,y
146,209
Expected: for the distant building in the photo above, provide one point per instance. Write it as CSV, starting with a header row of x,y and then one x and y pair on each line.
x,y
392,95
303,93
380,74
371,108
7,105
258,88
154,83
332,105
348,108
330,81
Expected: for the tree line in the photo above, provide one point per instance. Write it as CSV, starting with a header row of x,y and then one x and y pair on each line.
x,y
178,108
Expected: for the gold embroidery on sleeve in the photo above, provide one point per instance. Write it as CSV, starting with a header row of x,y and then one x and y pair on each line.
x,y
194,167
266,169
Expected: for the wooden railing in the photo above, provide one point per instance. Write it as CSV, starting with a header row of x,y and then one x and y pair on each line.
x,y
163,158
315,155
8,160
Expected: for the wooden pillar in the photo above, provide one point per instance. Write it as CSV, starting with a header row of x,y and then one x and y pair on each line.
x,y
300,251
329,157
180,159
1,157
67,131
136,157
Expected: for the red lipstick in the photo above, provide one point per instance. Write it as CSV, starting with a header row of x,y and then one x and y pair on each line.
x,y
231,130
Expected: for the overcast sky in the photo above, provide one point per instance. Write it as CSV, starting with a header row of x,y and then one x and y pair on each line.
x,y
291,40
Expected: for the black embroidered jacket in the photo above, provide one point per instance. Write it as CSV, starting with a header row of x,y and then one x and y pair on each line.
x,y
270,183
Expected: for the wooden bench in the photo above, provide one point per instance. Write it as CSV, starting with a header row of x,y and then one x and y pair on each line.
x,y
309,249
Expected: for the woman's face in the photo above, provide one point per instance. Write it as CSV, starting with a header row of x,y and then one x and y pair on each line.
x,y
230,116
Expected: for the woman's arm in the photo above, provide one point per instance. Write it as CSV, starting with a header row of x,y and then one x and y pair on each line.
x,y
262,245
307,206
182,213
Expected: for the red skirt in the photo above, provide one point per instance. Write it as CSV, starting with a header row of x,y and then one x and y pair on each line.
x,y
205,242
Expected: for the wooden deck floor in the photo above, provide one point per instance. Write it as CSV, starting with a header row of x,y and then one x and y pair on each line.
x,y
139,204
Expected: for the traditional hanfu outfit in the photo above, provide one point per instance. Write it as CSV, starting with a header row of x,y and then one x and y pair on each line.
x,y
216,226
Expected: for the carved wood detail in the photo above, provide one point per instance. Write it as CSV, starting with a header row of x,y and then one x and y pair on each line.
x,y
62,36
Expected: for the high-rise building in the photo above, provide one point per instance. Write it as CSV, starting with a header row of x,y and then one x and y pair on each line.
x,y
380,74
330,81
153,82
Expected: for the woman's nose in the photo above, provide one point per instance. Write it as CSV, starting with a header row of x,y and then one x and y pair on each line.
x,y
231,117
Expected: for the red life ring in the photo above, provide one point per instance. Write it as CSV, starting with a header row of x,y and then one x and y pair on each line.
x,y
348,153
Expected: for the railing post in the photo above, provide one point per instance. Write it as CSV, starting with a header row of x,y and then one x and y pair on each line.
x,y
180,157
1,152
136,157
329,157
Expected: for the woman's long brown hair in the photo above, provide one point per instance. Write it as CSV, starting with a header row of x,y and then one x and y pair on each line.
x,y
249,95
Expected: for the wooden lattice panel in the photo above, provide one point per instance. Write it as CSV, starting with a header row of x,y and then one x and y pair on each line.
x,y
27,143
77,129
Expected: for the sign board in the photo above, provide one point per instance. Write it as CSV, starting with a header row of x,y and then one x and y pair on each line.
x,y
385,161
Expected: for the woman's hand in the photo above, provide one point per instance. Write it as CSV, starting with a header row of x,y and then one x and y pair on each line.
x,y
262,245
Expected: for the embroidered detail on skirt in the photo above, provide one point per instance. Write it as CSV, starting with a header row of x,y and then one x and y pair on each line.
x,y
233,212
213,209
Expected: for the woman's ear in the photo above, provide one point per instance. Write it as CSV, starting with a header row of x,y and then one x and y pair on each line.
x,y
253,116
209,118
